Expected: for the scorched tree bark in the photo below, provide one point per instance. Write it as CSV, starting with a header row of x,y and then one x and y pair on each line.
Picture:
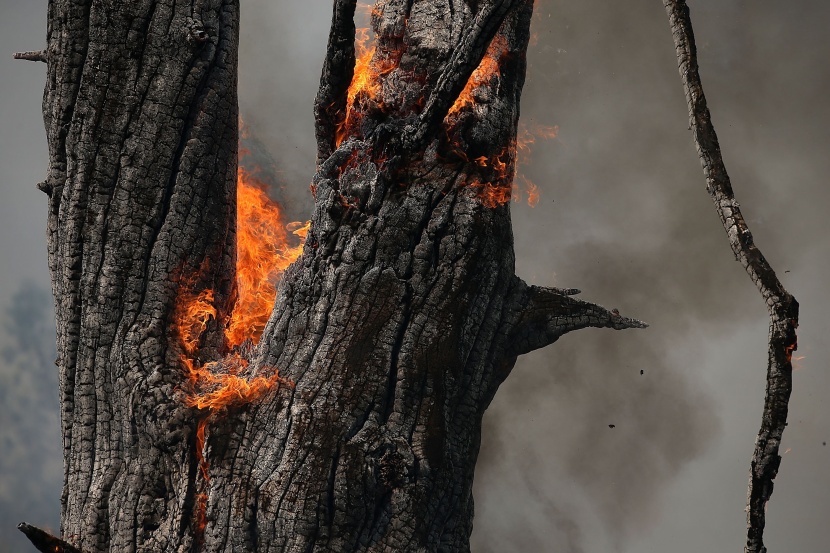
x,y
392,331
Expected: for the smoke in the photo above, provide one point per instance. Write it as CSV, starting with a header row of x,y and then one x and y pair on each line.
x,y
30,463
623,216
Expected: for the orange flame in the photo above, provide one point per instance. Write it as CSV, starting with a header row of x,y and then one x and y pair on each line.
x,y
500,170
501,185
365,87
263,253
489,67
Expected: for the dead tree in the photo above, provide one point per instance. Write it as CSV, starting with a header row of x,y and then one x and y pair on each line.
x,y
391,333
782,306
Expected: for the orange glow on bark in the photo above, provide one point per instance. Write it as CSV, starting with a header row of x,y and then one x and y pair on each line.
x,y
365,88
489,67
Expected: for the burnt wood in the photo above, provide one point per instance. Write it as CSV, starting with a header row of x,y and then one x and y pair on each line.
x,y
782,306
395,327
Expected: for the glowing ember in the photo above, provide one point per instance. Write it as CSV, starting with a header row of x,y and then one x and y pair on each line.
x,y
796,360
489,67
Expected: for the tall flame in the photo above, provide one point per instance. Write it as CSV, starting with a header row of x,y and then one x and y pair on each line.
x,y
365,88
263,253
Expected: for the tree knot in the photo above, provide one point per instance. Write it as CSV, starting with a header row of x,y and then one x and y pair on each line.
x,y
196,32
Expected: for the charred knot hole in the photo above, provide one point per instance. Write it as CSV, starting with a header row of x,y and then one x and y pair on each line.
x,y
196,34
392,470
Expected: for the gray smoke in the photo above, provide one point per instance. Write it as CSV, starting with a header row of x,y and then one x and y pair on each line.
x,y
30,463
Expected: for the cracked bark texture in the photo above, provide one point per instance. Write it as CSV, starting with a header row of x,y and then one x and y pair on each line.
x,y
782,306
396,326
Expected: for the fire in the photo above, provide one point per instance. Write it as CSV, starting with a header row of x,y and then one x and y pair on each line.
x,y
489,68
796,361
263,253
499,173
790,348
496,183
366,88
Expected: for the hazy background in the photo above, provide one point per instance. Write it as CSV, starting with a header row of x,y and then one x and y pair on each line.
x,y
623,215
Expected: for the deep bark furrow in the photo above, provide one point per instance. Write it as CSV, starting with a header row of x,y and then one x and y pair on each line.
x,y
782,306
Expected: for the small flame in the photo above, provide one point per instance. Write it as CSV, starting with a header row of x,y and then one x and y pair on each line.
x,y
790,348
366,87
489,68
194,313
498,184
796,361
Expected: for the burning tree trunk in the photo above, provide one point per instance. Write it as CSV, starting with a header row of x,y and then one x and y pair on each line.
x,y
354,423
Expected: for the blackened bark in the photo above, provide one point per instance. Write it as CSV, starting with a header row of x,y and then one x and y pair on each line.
x,y
140,112
395,327
782,306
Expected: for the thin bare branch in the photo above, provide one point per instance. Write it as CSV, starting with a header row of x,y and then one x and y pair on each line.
x,y
783,308
33,55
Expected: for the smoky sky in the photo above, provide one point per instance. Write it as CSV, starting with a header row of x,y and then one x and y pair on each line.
x,y
624,216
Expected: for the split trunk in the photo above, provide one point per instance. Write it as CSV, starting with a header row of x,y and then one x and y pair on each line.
x,y
391,333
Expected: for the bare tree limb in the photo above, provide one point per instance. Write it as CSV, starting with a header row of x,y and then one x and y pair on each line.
x,y
783,308
34,55
549,313
46,542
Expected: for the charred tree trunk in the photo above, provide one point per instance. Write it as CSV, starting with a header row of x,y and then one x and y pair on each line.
x,y
392,332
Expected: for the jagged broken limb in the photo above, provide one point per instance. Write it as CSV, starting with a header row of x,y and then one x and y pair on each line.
x,y
782,306
46,542
33,55
338,69
546,314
